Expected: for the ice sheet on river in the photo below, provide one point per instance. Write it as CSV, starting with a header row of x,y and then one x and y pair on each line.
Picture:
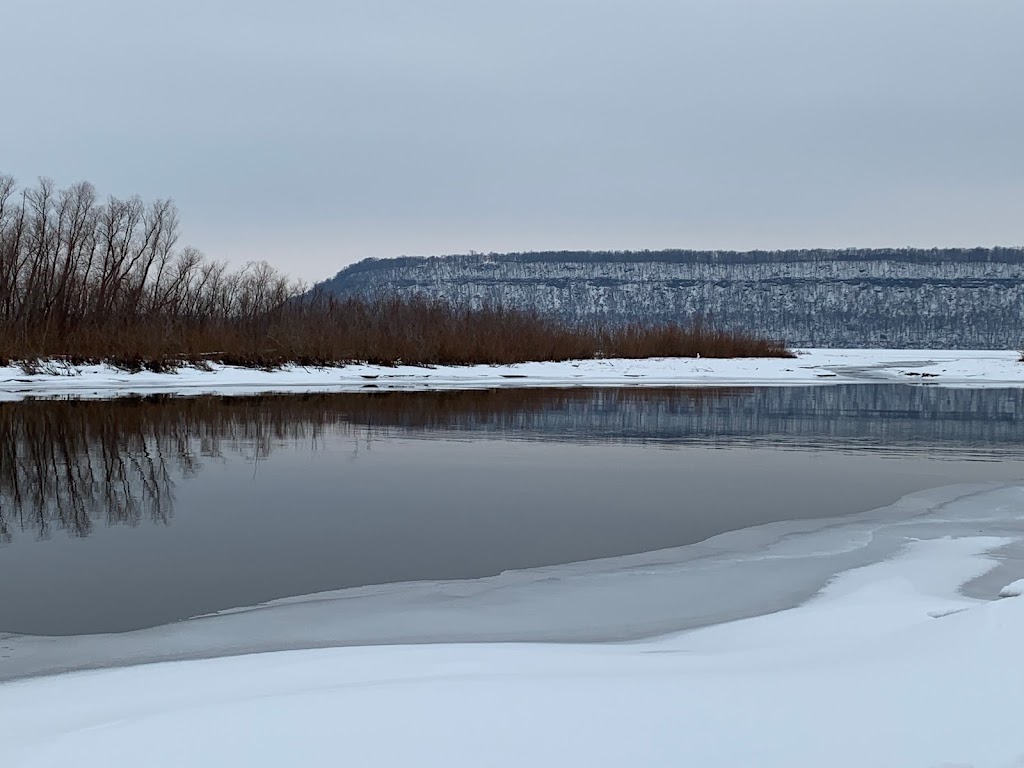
x,y
889,665
738,574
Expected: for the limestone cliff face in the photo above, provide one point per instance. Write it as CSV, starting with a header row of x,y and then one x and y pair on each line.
x,y
952,298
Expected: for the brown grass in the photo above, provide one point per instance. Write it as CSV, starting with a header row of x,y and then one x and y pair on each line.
x,y
416,331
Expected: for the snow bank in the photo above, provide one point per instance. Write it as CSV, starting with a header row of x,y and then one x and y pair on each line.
x,y
814,366
863,675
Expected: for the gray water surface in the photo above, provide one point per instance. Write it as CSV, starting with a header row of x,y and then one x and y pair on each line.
x,y
133,513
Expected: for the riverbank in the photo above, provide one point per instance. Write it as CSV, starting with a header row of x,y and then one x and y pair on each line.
x,y
957,368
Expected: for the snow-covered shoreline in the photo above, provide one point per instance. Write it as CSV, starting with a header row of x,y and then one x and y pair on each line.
x,y
956,368
889,664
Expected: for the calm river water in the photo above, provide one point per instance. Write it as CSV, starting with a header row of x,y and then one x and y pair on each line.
x,y
132,513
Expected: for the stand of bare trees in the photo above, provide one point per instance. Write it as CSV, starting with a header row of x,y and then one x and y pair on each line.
x,y
88,280
91,279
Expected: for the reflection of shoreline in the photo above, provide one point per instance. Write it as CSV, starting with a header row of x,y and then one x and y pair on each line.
x,y
881,418
65,464
888,419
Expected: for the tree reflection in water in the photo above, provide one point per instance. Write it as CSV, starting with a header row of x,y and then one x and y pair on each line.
x,y
68,465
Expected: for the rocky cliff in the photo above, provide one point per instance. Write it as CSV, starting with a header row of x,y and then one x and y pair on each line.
x,y
939,298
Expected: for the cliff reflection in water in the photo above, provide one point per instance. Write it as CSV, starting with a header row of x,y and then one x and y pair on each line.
x,y
70,464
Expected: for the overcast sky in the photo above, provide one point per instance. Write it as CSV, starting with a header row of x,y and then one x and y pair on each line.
x,y
315,133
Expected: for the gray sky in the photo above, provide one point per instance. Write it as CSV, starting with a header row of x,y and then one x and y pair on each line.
x,y
315,133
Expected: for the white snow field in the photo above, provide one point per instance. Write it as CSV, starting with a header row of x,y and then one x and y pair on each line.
x,y
887,664
812,366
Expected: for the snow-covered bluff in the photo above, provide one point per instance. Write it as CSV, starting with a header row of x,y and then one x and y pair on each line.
x,y
950,298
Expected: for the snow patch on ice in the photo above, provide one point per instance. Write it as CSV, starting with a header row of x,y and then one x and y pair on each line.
x,y
1014,589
